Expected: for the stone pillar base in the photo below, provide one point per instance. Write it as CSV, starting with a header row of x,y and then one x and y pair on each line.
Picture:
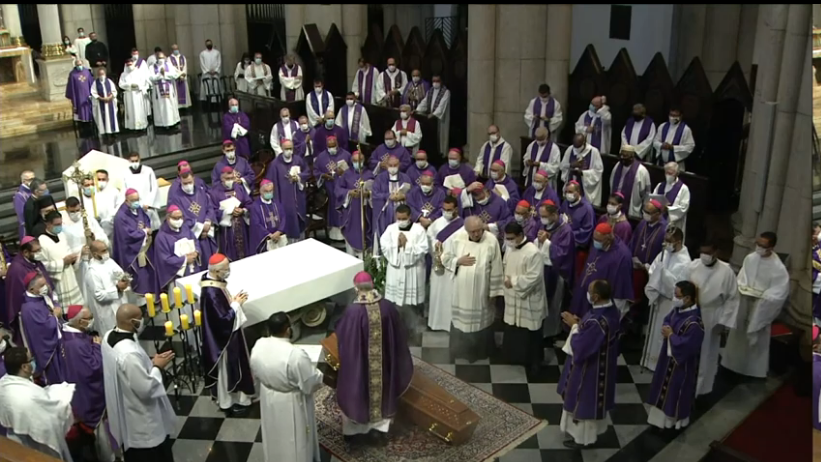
x,y
743,246
54,77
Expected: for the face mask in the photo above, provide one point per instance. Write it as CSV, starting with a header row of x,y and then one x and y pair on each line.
x,y
268,196
75,216
38,256
426,188
102,184
135,165
646,216
135,57
90,325
520,218
356,165
390,143
670,247
209,46
45,193
138,326
541,142
674,120
188,188
760,250
176,52
82,34
349,102
538,186
416,79
225,275
612,209
285,120
598,245
483,201
421,164
66,42
494,175
493,138
449,214
101,77
510,244
87,191
670,178
258,60
234,109
546,222
391,67
708,260
304,127
79,68
591,108
228,184
329,124
176,224
403,223
678,303
318,90
135,205
393,170
453,163
288,153
44,290
570,198
160,61
403,115
332,151
104,257
437,85
231,156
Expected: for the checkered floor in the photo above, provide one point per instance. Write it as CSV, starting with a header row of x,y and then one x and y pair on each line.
x,y
204,434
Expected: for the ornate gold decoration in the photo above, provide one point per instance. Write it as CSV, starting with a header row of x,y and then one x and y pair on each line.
x,y
52,51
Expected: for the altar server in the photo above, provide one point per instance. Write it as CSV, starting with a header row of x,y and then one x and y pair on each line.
x,y
290,80
543,111
390,189
540,190
318,103
672,391
494,212
78,91
502,185
140,416
176,250
456,173
243,174
225,354
632,180
557,247
326,130
259,76
541,154
674,140
369,386
617,219
134,84
80,44
235,127
354,186
106,287
408,131
764,285
231,202
582,162
671,266
436,104
596,124
425,200
495,148
609,259
36,417
132,241
142,179
27,260
61,263
588,381
390,85
329,165
365,82
163,76
290,176
677,194
718,300
439,316
104,95
353,118
267,230
107,199
288,382
40,322
639,132
474,259
378,162
211,69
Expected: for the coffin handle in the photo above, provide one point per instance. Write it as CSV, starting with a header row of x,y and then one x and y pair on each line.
x,y
446,438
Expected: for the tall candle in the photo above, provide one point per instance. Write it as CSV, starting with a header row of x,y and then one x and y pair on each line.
x,y
184,322
149,302
164,303
198,317
169,329
189,293
177,298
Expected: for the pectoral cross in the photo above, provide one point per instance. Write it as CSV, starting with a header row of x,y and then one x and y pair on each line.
x,y
271,218
417,180
428,207
384,156
485,216
81,78
194,208
643,245
331,166
591,268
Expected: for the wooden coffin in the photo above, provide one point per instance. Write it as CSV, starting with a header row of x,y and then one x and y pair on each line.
x,y
425,403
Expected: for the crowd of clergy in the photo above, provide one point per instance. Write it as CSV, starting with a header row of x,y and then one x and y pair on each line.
x,y
465,249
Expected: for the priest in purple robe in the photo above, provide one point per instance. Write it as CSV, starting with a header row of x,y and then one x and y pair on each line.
x,y
78,91
267,231
457,173
327,130
610,260
175,190
290,175
617,219
540,190
390,189
588,381
20,197
816,377
555,241
492,209
523,215
243,173
673,390
132,243
176,250
28,259
582,220
329,165
354,183
375,363
415,90
378,162
235,127
40,323
420,164
645,245
303,139
198,213
501,180
231,203
425,200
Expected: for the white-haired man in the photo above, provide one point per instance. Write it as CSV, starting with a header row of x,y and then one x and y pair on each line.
x,y
677,196
105,285
408,131
285,129
596,124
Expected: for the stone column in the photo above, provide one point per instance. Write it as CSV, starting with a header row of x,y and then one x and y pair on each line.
x,y
294,20
691,37
151,28
91,17
748,26
354,31
11,16
323,16
481,63
240,33
55,65
557,52
388,20
227,38
720,40
182,31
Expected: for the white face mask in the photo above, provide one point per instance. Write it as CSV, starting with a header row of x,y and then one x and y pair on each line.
x,y
318,90
678,303
453,163
519,218
393,170
90,325
669,246
231,156
403,115
75,216
437,85
538,186
390,143
494,175
285,120
332,151
545,222
224,276
104,257
612,209
44,290
135,165
188,188
102,184
493,138
670,178
426,188
288,154
760,250
39,256
139,327
707,259
674,120
228,184
349,102
483,201
175,224
391,67
646,216
510,244
571,197
303,127
416,79
403,223
449,214
421,164
101,77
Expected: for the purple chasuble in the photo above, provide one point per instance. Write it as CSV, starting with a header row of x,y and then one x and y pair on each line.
x,y
241,143
534,156
20,197
232,240
300,140
41,327
531,227
197,208
647,241
179,64
562,251
422,205
127,245
315,103
415,172
673,389
676,140
415,86
464,171
455,225
326,163
495,211
487,160
78,90
220,339
582,219
627,183
595,137
383,208
107,111
382,152
353,133
512,189
176,188
84,368
321,135
241,165
621,229
376,361
289,194
290,95
588,380
816,269
537,113
816,390
614,265
644,131
16,289
548,193
352,213
265,219
166,262
585,166
670,195
366,93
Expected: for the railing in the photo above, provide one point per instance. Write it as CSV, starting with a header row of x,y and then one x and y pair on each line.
x,y
449,25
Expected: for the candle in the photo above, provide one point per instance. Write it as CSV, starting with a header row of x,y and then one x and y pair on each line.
x,y
169,329
184,322
164,303
149,302
189,293
177,298
198,317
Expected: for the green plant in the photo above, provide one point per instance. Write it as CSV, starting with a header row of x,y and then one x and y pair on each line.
x,y
376,267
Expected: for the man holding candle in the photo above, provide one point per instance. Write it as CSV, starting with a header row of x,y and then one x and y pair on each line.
x,y
106,286
224,351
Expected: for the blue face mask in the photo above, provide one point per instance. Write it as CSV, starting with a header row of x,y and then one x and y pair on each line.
x,y
268,196
592,108
45,193
234,109
356,165
135,205
598,245
329,124
453,163
176,52
87,191
58,229
79,68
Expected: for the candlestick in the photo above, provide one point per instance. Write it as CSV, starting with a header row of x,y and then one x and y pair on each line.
x,y
177,298
189,293
198,317
184,322
169,329
149,302
164,302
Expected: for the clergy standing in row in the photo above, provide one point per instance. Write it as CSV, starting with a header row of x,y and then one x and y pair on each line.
x,y
617,219
639,131
352,188
134,84
176,250
328,129
596,124
365,82
541,154
495,148
582,222
107,199
290,174
259,76
318,103
456,174
353,118
61,263
425,200
40,322
391,85
285,129
582,162
290,80
199,214
674,140
502,185
267,216
441,296
540,190
436,104
163,76
243,174
390,189
235,127
180,63
104,96
415,90
632,180
106,286
543,111
378,162
142,179
211,69
78,91
132,241
231,202
328,167
480,202
22,195
677,196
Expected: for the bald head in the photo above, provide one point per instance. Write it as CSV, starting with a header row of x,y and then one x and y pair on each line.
x,y
129,317
98,248
475,228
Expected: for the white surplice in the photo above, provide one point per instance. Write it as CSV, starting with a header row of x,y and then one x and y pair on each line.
x,y
667,270
239,78
288,131
405,276
362,75
412,138
440,111
677,211
591,178
165,103
180,62
554,160
555,121
526,301
108,201
106,124
146,184
507,153
288,381
37,417
439,303
718,300
364,121
681,151
641,189
313,116
134,84
381,95
64,276
103,296
74,233
644,148
210,61
80,44
291,83
259,78
474,286
602,113
139,412
764,285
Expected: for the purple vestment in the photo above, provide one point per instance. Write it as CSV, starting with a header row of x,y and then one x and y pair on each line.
x,y
375,361
816,390
107,110
622,228
673,389
537,114
365,89
671,194
595,137
300,140
78,90
627,182
3,300
676,141
425,205
16,289
196,209
463,170
84,368
326,163
614,265
241,143
321,135
816,268
20,197
532,155
490,156
179,63
129,236
647,241
414,173
290,95
383,208
219,339
356,114
290,195
166,263
531,227
512,189
382,152
314,101
241,165
41,327
562,254
588,381
495,211
352,212
548,193
265,219
232,240
414,103
644,131
176,188
455,225
582,217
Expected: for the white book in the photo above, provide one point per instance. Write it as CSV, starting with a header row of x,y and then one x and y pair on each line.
x,y
227,207
184,246
454,182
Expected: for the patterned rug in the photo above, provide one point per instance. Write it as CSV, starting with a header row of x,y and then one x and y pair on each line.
x,y
502,428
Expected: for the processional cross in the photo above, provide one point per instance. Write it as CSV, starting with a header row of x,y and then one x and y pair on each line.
x,y
78,177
